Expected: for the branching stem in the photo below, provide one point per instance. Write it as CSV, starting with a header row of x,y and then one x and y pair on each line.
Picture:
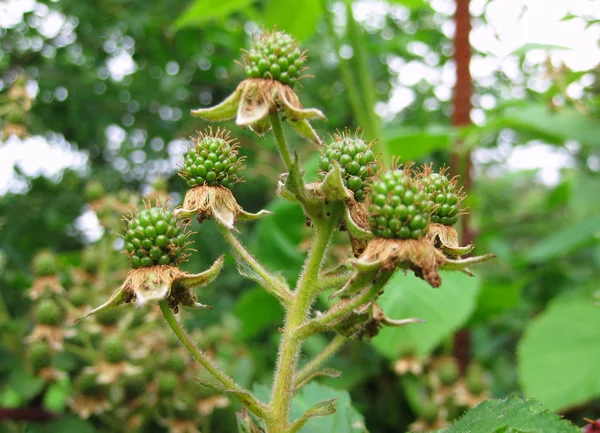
x,y
282,146
290,344
271,283
227,382
312,366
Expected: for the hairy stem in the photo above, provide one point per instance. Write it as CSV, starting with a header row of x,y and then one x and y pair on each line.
x,y
322,323
282,146
312,366
290,344
227,382
270,282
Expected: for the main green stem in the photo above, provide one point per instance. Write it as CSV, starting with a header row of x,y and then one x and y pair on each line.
x,y
290,344
282,146
254,405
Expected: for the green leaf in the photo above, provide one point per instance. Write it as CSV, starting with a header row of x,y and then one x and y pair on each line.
x,y
532,46
202,11
555,126
497,297
411,4
277,238
565,240
444,310
511,415
346,419
299,19
57,395
559,353
410,144
63,425
25,384
258,311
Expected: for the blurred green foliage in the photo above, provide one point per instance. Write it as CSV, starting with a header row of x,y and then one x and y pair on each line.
x,y
116,79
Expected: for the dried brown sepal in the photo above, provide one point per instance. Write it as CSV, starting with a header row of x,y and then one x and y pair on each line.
x,y
161,282
420,255
252,102
216,202
446,239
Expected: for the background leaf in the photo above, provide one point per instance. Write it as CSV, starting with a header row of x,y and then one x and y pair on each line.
x,y
445,309
202,11
299,19
559,353
511,415
258,311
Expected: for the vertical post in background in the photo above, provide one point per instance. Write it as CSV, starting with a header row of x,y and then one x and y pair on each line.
x,y
461,161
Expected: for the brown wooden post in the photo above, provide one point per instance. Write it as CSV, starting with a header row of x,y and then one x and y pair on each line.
x,y
461,164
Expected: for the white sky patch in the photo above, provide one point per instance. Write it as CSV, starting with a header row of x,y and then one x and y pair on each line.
x,y
36,156
88,224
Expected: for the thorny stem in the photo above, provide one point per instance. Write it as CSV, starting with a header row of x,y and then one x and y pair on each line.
x,y
248,399
272,285
280,141
332,282
322,323
290,344
312,366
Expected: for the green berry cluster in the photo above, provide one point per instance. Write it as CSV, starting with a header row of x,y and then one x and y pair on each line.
x,y
212,161
356,160
275,56
445,196
48,312
114,349
399,207
87,384
40,355
44,263
155,237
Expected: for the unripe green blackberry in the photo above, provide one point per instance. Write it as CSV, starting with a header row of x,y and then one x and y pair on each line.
x,y
275,56
48,312
443,193
89,259
78,296
399,208
94,190
475,379
356,160
40,355
134,385
167,382
87,384
44,263
212,160
176,363
428,410
114,349
155,237
108,317
448,372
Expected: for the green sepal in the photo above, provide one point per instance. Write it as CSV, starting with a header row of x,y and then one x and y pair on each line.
x,y
248,216
458,251
461,264
323,408
119,297
304,129
183,287
252,109
224,111
332,187
354,230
